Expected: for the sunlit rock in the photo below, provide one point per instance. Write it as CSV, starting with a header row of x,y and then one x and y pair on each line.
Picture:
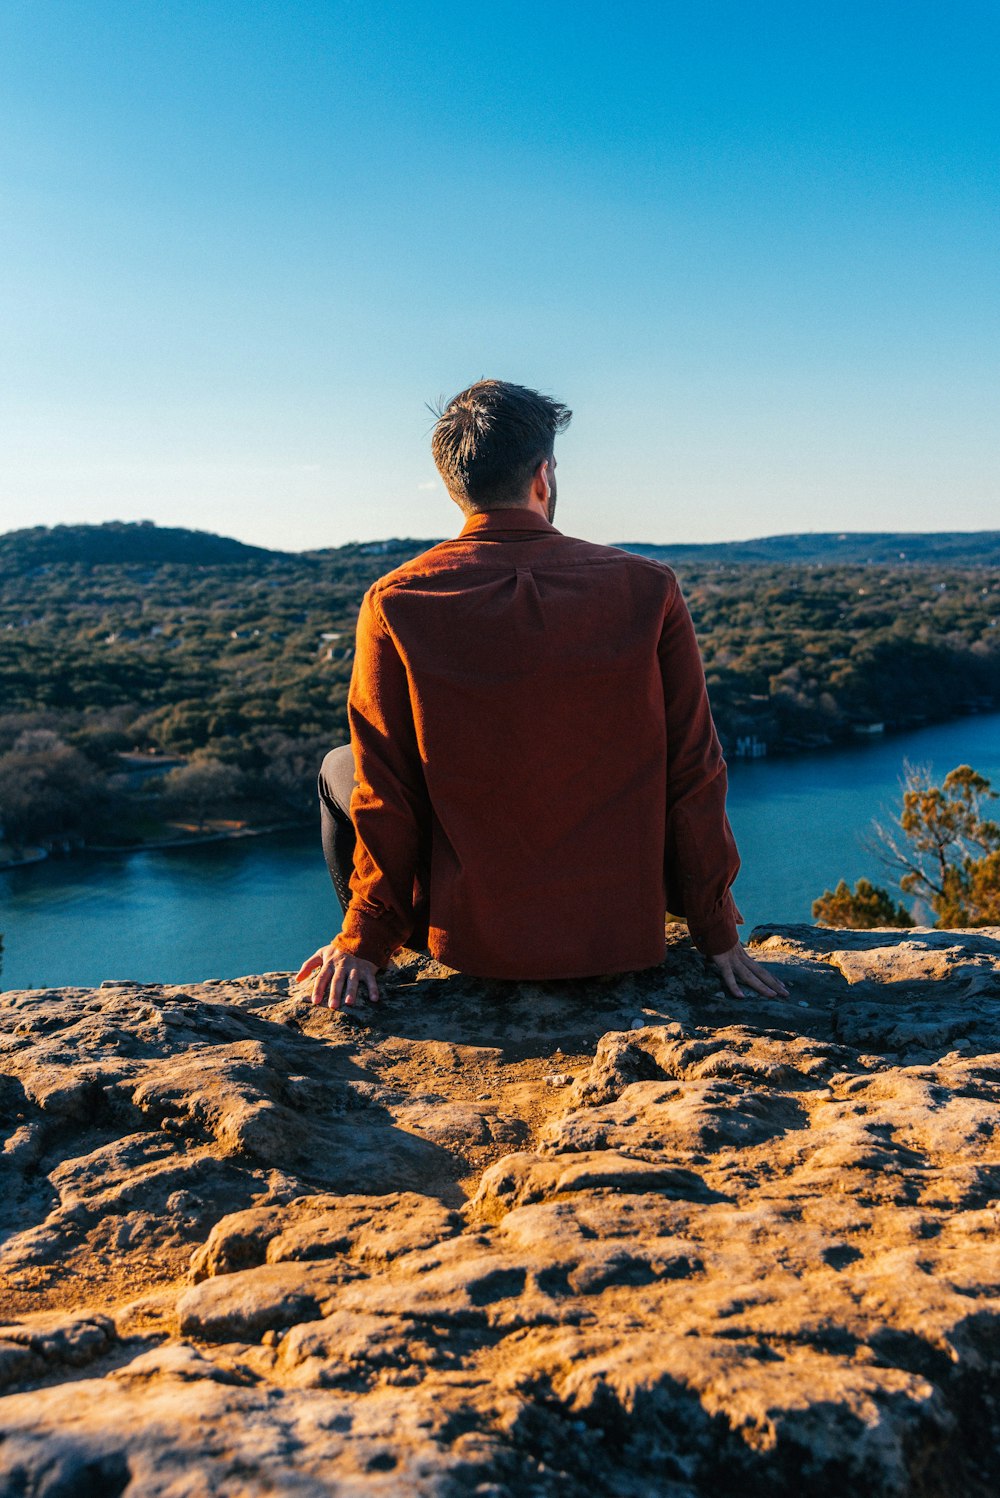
x,y
735,1247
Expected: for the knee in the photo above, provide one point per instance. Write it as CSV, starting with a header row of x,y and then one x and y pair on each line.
x,y
336,776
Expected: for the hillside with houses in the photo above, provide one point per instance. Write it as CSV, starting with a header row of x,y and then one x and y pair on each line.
x,y
166,683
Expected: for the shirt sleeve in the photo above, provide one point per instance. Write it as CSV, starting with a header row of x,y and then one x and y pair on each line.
x,y
700,860
389,806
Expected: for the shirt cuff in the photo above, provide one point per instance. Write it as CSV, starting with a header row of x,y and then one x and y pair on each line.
x,y
718,932
368,937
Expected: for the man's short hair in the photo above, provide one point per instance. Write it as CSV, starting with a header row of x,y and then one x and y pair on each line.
x,y
489,440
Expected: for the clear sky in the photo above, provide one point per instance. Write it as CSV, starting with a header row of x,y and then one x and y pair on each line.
x,y
753,245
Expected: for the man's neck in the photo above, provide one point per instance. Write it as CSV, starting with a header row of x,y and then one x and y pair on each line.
x,y
537,503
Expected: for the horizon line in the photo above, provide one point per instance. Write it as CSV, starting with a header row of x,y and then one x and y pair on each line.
x,y
837,535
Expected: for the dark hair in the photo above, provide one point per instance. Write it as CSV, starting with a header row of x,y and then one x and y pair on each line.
x,y
489,440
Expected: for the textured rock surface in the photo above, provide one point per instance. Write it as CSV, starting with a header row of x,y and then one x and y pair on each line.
x,y
611,1237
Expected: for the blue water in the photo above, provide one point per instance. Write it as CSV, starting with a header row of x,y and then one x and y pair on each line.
x,y
263,904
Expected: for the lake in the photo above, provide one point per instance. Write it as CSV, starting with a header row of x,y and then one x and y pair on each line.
x,y
263,904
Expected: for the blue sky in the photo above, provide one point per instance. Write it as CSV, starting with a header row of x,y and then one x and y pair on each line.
x,y
754,246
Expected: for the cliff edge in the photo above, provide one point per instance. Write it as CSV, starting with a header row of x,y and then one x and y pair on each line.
x,y
623,1237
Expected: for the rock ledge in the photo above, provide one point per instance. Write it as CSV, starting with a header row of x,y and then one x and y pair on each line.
x,y
622,1237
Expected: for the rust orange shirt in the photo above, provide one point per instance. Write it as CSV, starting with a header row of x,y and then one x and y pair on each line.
x,y
530,723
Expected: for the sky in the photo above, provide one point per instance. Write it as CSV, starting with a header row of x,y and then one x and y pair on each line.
x,y
245,243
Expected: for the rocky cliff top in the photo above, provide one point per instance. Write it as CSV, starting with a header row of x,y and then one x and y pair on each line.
x,y
622,1237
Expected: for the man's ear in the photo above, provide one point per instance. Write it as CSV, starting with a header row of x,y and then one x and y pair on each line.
x,y
540,484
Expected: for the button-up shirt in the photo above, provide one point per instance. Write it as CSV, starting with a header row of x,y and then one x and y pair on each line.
x,y
535,756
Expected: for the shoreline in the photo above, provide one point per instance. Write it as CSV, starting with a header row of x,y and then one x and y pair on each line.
x,y
162,845
859,740
36,855
734,763
158,845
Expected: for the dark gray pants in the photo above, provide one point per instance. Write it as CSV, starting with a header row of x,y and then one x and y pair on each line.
x,y
336,782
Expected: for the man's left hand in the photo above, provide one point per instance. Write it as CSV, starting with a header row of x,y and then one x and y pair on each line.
x,y
340,978
737,967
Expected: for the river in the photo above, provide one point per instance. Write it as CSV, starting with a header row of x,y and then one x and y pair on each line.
x,y
262,904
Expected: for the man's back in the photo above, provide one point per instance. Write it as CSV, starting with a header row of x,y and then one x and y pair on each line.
x,y
530,722
536,775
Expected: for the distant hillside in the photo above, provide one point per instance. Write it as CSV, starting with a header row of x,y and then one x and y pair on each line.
x,y
120,639
396,550
119,543
124,543
853,548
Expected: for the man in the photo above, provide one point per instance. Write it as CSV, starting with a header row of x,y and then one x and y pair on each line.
x,y
538,777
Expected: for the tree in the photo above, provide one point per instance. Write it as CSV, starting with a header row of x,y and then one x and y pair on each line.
x,y
48,789
867,906
202,786
291,765
941,849
951,857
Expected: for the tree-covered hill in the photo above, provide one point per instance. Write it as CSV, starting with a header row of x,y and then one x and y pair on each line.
x,y
120,543
851,548
127,543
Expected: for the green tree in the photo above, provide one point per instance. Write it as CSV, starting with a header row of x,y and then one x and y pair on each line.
x,y
971,894
941,848
868,905
951,857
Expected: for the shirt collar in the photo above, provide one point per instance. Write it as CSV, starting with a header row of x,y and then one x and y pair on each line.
x,y
497,522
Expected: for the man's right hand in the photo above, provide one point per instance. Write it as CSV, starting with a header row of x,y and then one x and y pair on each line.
x,y
340,978
737,967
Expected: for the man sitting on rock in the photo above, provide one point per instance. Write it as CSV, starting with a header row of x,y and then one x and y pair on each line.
x,y
534,778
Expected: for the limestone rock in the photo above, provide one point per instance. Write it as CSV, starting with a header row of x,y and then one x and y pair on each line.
x,y
623,1237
